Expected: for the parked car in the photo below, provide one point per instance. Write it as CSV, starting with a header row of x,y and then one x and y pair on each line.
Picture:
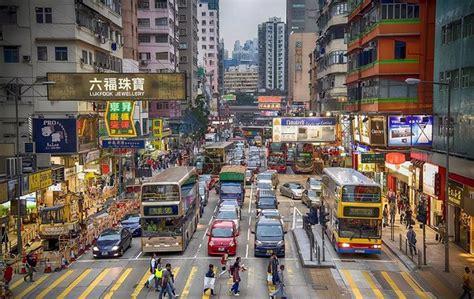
x,y
292,190
311,198
313,183
268,176
132,223
229,213
112,242
222,238
269,237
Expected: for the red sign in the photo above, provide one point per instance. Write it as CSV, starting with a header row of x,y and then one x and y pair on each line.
x,y
105,168
395,158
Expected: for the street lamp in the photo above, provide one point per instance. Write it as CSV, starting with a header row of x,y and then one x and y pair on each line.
x,y
415,81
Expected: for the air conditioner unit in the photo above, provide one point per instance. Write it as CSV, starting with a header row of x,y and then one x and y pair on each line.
x,y
27,58
11,166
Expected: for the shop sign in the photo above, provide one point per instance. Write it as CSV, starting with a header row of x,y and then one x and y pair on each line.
x,y
364,129
119,119
229,97
157,127
414,130
55,187
117,87
54,230
39,180
105,168
455,193
87,132
269,106
268,113
69,172
356,128
395,158
304,129
58,174
3,192
110,143
372,158
377,131
91,156
429,178
166,132
55,135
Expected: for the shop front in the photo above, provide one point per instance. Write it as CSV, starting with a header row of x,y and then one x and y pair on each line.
x,y
399,179
431,191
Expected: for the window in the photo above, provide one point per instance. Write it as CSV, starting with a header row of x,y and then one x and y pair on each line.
x,y
211,13
144,55
183,46
211,30
210,54
183,59
161,55
203,22
400,49
144,38
182,32
44,15
468,25
144,4
204,47
143,22
159,4
203,38
161,22
90,58
43,53
467,77
84,56
451,32
211,46
203,14
7,15
203,30
60,53
211,38
11,54
161,38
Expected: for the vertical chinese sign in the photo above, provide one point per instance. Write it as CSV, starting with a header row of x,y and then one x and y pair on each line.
x,y
119,119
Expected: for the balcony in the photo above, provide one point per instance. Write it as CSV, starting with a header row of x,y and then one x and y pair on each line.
x,y
388,67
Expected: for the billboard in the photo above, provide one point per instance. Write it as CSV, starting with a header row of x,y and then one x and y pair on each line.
x,y
229,97
304,129
413,130
117,87
55,135
377,130
119,119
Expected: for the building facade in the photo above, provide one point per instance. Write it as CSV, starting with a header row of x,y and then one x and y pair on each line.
x,y
208,44
301,15
272,47
242,78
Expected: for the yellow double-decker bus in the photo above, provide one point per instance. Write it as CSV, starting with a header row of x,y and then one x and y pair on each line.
x,y
354,205
169,210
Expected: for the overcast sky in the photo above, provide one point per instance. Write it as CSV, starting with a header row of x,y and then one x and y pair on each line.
x,y
239,19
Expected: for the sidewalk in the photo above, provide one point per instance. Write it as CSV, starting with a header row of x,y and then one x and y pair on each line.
x,y
304,253
444,285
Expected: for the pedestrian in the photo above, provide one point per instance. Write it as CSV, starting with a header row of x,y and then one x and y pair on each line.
x,y
399,205
225,264
152,270
166,285
393,211
402,216
7,274
466,283
171,282
30,267
408,215
411,237
273,268
280,290
158,274
442,231
235,270
209,280
385,215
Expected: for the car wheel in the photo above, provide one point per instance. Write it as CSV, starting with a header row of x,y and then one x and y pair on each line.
x,y
121,252
292,196
130,244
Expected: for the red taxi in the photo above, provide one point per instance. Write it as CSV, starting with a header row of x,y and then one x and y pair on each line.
x,y
222,238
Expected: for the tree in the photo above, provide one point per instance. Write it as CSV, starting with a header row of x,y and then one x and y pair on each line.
x,y
196,118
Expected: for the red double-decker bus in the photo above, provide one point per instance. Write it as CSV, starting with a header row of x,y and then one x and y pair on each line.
x,y
277,155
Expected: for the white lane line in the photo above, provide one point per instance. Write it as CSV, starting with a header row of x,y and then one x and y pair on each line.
x,y
251,198
210,220
205,233
174,258
247,251
138,255
250,220
199,249
215,209
248,234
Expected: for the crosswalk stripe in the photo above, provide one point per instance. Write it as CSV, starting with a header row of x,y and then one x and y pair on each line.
x,y
32,286
352,285
118,283
413,285
54,284
374,288
393,285
140,284
189,281
94,283
16,283
74,284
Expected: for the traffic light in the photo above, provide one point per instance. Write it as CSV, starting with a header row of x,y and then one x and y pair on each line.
x,y
313,216
421,212
323,217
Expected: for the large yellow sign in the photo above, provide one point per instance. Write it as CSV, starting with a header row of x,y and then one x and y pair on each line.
x,y
158,128
40,180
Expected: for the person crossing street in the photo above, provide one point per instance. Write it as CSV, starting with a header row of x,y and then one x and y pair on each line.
x,y
166,283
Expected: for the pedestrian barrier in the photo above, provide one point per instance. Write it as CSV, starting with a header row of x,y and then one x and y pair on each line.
x,y
411,250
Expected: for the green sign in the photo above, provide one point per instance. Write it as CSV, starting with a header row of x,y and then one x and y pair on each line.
x,y
372,158
228,97
119,119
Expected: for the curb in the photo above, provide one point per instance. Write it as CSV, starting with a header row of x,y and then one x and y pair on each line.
x,y
405,261
302,261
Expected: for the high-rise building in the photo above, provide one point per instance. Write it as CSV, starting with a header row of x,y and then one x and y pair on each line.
x,y
272,55
242,78
301,15
246,54
188,45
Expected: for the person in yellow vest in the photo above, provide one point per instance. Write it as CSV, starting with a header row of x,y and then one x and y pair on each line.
x,y
158,274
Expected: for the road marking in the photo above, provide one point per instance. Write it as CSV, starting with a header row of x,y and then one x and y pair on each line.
x,y
352,284
176,258
17,283
197,251
210,220
175,271
215,209
189,282
140,285
54,284
205,233
393,285
251,198
94,283
372,285
250,220
247,251
138,255
32,286
118,283
248,234
74,284
413,284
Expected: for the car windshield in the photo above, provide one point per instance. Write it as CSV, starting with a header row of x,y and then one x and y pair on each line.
x,y
227,214
231,189
266,201
221,232
109,236
270,213
269,231
264,177
313,193
314,183
360,228
296,186
229,203
130,220
264,185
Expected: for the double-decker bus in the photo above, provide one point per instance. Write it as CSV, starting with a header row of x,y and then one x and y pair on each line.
x,y
354,204
303,161
169,210
215,156
277,155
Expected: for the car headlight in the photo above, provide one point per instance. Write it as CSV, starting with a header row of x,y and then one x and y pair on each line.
x,y
280,243
258,243
95,248
115,248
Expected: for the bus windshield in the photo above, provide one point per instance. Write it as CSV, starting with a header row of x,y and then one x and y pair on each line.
x,y
355,193
160,192
166,226
360,228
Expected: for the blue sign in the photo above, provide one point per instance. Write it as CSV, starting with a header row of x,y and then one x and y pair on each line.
x,y
308,121
413,130
117,143
55,135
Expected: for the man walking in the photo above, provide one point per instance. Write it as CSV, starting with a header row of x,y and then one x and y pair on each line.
x,y
466,283
411,237
152,270
280,291
273,268
166,283
209,280
235,270
30,267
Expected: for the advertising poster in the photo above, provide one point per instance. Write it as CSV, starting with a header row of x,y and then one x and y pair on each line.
x,y
87,132
377,131
55,135
356,128
429,174
415,130
119,119
304,129
364,130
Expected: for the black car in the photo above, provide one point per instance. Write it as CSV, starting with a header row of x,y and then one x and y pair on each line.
x,y
132,223
269,237
112,242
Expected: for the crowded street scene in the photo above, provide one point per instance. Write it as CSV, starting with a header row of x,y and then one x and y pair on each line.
x,y
236,148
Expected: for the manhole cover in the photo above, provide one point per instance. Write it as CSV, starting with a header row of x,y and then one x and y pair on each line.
x,y
318,287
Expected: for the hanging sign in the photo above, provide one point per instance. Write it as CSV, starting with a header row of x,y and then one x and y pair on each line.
x,y
119,119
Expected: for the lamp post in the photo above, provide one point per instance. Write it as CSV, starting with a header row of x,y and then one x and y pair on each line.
x,y
416,81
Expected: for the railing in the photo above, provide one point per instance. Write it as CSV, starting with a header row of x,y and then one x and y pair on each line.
x,y
410,250
300,219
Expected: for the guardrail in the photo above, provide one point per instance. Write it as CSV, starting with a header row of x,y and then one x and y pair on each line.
x,y
410,250
301,221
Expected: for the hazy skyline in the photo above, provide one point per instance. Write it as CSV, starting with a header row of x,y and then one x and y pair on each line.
x,y
239,19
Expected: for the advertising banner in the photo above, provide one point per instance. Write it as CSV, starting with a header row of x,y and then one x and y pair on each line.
x,y
304,129
372,158
39,180
429,178
111,143
414,130
364,129
269,106
87,132
55,135
268,113
117,87
356,128
119,119
157,126
377,130
455,193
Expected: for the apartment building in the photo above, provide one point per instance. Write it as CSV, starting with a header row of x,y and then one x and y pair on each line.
x,y
301,15
242,78
208,44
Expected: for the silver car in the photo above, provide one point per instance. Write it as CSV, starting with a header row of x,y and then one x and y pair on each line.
x,y
311,198
292,190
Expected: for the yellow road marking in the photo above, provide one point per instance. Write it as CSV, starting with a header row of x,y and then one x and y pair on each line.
x,y
189,281
140,285
74,284
17,283
352,285
393,285
32,286
175,272
94,284
118,283
374,288
413,284
54,284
